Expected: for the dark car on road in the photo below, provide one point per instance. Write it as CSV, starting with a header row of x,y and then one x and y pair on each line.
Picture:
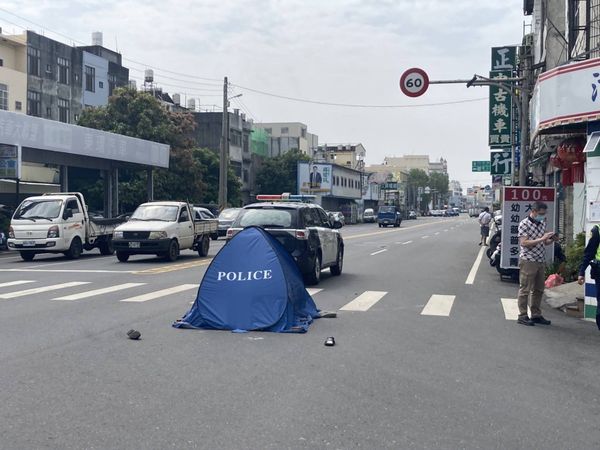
x,y
226,219
304,229
389,215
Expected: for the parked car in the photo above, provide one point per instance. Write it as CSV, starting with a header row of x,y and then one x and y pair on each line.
x,y
201,213
336,216
226,218
412,215
304,229
369,216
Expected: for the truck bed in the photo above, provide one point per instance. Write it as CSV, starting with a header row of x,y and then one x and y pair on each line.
x,y
101,227
209,226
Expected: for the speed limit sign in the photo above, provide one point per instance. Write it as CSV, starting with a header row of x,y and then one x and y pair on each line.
x,y
414,82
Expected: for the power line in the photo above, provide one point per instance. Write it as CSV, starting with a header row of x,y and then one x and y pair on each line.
x,y
353,105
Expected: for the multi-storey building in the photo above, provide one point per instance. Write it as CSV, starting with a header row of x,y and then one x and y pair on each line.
x,y
286,136
347,155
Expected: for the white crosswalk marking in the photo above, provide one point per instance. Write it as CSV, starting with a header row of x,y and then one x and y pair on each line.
x,y
438,305
40,290
364,301
107,290
161,293
313,291
15,283
511,308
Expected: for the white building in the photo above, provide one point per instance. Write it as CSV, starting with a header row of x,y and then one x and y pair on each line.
x,y
286,136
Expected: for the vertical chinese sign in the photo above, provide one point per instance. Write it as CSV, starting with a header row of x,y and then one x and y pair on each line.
x,y
518,202
500,106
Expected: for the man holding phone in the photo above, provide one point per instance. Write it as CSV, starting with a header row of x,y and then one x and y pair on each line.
x,y
532,264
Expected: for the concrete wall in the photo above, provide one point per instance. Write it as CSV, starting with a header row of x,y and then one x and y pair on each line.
x,y
100,96
13,73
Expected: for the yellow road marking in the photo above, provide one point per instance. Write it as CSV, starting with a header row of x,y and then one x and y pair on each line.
x,y
173,267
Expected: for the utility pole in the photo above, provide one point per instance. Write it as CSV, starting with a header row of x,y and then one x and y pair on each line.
x,y
224,151
524,94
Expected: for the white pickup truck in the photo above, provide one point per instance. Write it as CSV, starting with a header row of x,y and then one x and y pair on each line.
x,y
163,229
58,223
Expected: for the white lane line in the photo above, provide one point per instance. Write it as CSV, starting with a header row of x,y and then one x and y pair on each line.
x,y
473,272
378,252
15,283
313,291
424,237
438,305
39,290
161,293
364,301
68,271
511,308
446,230
437,233
407,242
106,290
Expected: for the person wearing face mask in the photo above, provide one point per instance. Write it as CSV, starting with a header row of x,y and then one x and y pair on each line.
x,y
591,257
532,264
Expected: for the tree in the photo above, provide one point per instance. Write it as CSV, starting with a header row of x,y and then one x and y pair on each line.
x,y
192,173
280,174
418,178
439,183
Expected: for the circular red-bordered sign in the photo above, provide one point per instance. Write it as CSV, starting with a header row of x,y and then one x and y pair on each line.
x,y
414,82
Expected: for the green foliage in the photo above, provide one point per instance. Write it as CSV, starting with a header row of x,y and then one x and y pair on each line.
x,y
418,177
574,253
193,173
280,174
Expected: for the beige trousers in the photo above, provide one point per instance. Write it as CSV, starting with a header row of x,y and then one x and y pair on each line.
x,y
531,282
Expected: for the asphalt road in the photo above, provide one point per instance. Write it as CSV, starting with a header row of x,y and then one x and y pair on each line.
x,y
431,361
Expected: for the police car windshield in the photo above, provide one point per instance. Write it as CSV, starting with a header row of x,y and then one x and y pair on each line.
x,y
269,218
155,212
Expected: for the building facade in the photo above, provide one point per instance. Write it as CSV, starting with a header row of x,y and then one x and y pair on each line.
x,y
286,136
347,155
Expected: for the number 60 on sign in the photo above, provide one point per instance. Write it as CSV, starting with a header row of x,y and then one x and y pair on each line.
x,y
414,82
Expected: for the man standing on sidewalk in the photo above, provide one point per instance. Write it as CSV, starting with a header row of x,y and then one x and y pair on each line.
x,y
484,222
532,264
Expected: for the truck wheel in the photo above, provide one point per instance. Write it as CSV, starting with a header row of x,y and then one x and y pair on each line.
x,y
122,256
173,251
204,246
314,276
75,249
27,256
106,247
337,269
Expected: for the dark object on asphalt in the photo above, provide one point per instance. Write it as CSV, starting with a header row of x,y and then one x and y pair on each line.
x,y
525,321
598,321
541,320
330,341
327,314
134,334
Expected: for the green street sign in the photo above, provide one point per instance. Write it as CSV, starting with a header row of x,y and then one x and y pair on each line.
x,y
390,186
480,166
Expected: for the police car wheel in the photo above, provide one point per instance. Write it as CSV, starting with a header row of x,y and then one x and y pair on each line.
x,y
314,276
337,269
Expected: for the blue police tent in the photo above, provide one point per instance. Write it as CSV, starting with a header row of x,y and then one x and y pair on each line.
x,y
253,283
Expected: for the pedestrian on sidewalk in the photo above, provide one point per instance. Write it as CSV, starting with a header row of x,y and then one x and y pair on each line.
x,y
591,257
484,222
532,264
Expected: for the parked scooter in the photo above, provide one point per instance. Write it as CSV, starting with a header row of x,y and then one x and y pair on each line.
x,y
512,274
495,239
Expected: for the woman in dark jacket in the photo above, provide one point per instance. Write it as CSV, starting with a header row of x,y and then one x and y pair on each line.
x,y
589,258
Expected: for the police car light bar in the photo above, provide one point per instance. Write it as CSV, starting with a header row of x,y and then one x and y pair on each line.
x,y
285,197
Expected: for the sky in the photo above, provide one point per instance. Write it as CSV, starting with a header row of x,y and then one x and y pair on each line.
x,y
334,51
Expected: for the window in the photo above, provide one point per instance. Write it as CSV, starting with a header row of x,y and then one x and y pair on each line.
x,y
184,215
48,112
303,133
112,83
76,118
33,61
18,106
63,110
101,84
34,108
73,206
285,130
63,70
90,79
3,97
235,138
323,216
269,130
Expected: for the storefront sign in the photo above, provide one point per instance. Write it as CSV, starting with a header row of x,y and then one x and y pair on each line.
x,y
500,112
501,163
567,94
504,58
314,178
10,161
518,202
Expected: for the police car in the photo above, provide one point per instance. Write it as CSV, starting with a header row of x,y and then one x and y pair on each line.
x,y
304,229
